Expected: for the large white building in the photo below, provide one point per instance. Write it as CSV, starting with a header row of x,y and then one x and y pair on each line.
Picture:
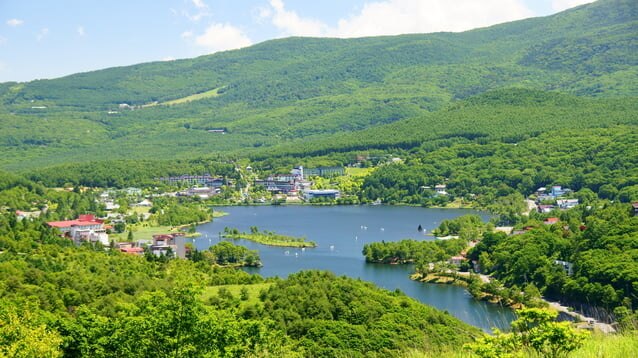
x,y
86,228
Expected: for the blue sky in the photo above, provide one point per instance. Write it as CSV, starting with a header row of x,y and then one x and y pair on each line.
x,y
48,39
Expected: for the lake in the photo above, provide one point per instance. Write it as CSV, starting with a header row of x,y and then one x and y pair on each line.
x,y
340,233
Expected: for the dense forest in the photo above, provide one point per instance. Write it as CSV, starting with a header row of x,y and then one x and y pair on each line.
x,y
83,301
600,243
299,90
420,252
598,161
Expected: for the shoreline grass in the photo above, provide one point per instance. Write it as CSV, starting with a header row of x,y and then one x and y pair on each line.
x,y
269,239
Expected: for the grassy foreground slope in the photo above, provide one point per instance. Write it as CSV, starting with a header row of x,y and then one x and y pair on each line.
x,y
295,88
57,299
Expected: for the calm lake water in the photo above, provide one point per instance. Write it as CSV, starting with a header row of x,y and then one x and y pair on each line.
x,y
340,233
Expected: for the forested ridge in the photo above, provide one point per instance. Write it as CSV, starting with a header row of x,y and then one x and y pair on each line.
x,y
600,242
302,89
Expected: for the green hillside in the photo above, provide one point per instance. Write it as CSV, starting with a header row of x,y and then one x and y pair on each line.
x,y
297,88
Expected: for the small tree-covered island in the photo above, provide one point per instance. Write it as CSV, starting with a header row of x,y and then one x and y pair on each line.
x,y
118,189
267,238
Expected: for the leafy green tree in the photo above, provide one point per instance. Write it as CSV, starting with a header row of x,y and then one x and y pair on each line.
x,y
534,329
23,332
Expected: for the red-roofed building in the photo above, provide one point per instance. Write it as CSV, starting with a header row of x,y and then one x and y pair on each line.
x,y
84,228
163,244
132,250
551,221
635,206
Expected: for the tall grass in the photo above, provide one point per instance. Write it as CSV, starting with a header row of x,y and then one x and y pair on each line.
x,y
609,346
597,345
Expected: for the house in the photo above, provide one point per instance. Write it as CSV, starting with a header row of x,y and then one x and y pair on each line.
x,y
297,172
550,221
132,250
323,193
555,192
544,198
166,244
544,209
110,205
86,228
440,189
566,203
567,266
456,260
279,183
635,206
558,191
203,192
27,214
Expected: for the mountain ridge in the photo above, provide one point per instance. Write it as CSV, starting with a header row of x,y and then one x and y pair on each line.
x,y
290,89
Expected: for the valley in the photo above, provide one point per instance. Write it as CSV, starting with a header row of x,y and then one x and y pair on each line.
x,y
496,167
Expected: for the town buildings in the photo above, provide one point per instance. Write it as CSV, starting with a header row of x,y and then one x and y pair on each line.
x,y
86,228
195,180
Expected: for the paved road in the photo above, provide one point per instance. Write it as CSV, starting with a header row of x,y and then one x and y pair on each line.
x,y
599,326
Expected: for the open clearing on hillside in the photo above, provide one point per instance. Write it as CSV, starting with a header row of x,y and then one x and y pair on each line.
x,y
194,97
235,290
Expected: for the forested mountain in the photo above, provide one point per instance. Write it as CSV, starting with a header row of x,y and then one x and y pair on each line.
x,y
304,88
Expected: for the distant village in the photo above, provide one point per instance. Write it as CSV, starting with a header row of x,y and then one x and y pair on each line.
x,y
90,229
293,187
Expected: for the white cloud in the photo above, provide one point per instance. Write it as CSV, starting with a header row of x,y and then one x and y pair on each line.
x,y
15,22
560,5
201,11
200,4
187,34
221,37
3,40
393,17
292,24
42,34
81,30
264,12
169,58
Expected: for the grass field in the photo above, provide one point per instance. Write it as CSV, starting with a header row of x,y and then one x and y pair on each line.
x,y
140,209
359,172
142,232
235,290
194,97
